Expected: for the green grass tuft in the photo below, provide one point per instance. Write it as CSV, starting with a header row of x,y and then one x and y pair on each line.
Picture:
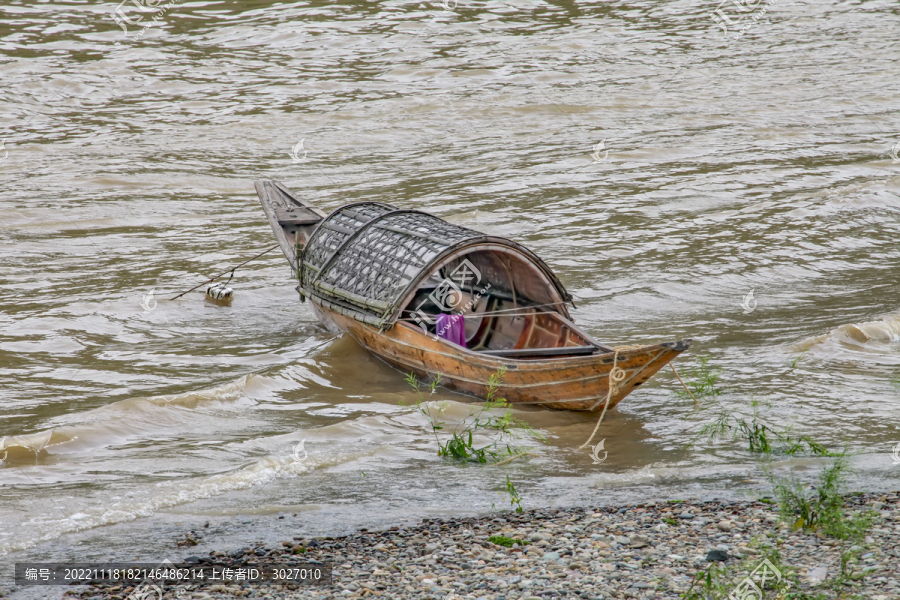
x,y
502,540
461,445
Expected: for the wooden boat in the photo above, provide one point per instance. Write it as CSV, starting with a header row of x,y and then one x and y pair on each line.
x,y
384,275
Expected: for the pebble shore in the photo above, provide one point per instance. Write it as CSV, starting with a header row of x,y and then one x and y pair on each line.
x,y
647,551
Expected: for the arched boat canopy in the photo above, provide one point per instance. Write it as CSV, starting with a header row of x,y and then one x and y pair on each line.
x,y
366,261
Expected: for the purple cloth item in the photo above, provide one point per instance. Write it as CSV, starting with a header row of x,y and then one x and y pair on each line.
x,y
451,328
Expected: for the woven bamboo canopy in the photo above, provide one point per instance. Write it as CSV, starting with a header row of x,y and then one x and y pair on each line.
x,y
366,261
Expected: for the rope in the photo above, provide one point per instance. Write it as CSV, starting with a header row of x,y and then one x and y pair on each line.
x,y
232,270
682,383
616,376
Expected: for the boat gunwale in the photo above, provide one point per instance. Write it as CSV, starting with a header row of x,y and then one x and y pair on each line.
x,y
532,366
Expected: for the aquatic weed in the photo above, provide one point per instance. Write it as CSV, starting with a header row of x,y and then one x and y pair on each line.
x,y
798,359
461,445
761,437
515,498
701,379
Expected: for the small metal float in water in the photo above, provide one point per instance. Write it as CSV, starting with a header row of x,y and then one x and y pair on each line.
x,y
219,291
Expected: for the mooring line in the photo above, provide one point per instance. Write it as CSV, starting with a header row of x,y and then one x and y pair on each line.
x,y
232,270
616,376
682,383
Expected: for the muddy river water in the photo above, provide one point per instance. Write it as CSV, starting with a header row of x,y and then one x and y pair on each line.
x,y
723,176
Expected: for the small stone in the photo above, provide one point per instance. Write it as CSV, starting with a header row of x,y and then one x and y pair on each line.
x,y
818,575
716,556
639,541
725,526
550,556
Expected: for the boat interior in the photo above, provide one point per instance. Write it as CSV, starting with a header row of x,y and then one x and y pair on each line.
x,y
509,307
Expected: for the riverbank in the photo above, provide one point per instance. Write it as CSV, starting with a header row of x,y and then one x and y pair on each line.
x,y
649,550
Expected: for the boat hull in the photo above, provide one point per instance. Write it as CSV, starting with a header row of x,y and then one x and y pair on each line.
x,y
569,383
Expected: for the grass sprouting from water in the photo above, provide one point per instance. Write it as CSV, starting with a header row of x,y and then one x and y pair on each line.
x,y
504,427
701,379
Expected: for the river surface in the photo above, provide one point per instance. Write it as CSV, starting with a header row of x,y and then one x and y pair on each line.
x,y
756,159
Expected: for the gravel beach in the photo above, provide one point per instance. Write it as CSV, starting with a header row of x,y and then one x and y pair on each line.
x,y
648,550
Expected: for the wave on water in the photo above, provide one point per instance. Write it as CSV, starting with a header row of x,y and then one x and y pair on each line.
x,y
117,422
870,335
661,473
164,495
